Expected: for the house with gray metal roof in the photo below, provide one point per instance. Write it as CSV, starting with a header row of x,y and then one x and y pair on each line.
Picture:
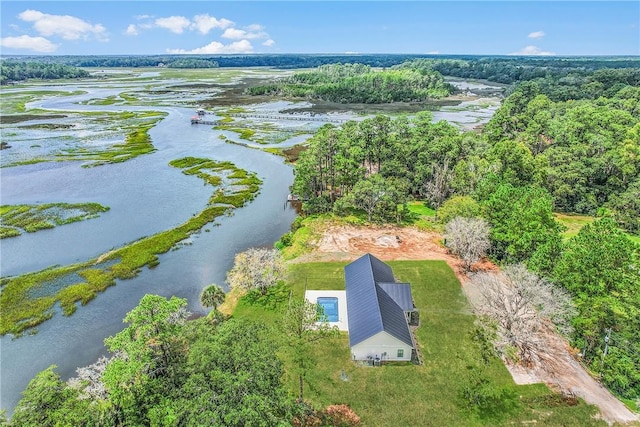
x,y
379,311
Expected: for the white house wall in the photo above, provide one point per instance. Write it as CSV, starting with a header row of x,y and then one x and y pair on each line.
x,y
381,343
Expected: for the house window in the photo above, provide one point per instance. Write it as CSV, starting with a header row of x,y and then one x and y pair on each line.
x,y
400,352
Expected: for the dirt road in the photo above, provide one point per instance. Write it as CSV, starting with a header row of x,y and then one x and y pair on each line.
x,y
559,369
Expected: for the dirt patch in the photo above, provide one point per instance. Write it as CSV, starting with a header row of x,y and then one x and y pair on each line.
x,y
348,242
559,369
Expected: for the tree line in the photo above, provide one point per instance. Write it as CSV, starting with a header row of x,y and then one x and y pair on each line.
x,y
502,69
17,71
359,83
12,71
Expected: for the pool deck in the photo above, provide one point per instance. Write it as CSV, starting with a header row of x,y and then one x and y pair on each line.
x,y
343,318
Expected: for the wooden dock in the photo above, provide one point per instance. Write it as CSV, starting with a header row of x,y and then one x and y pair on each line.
x,y
199,119
290,117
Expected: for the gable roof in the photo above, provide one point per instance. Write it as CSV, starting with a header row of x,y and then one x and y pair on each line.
x,y
400,292
372,301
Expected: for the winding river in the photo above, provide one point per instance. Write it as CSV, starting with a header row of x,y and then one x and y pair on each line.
x,y
146,196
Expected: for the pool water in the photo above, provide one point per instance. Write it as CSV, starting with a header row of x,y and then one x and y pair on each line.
x,y
330,308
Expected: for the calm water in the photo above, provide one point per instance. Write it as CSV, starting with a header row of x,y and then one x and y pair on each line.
x,y
145,196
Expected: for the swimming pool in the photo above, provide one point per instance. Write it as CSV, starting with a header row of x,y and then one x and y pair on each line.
x,y
330,308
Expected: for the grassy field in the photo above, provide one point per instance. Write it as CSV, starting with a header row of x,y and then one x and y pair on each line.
x,y
410,395
575,222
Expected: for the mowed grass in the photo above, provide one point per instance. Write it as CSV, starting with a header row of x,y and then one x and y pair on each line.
x,y
413,395
420,208
575,222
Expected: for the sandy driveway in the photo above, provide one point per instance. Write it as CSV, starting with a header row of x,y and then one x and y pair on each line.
x,y
559,369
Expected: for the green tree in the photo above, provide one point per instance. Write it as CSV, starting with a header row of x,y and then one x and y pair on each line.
x,y
625,208
522,225
48,401
233,378
377,196
464,206
302,325
149,356
516,164
212,296
599,267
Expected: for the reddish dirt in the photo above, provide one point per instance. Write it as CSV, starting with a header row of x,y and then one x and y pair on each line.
x,y
347,242
559,369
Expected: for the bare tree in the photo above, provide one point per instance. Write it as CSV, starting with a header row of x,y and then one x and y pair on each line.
x,y
522,304
89,380
438,188
256,268
468,238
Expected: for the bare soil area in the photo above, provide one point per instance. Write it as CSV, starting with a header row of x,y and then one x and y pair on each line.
x,y
558,368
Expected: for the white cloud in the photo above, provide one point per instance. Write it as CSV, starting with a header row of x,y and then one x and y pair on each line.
x,y
66,26
242,46
37,44
237,34
255,27
269,43
131,30
205,23
532,50
433,52
536,35
175,24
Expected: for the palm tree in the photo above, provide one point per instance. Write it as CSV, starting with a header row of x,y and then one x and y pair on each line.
x,y
212,296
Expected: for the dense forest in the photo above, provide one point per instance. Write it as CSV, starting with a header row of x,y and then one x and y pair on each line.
x,y
16,71
359,83
503,69
536,156
12,71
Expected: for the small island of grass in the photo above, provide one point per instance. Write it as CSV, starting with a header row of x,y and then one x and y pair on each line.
x,y
16,219
29,299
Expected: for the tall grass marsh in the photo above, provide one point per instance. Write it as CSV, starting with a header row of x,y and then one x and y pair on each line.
x,y
15,219
30,299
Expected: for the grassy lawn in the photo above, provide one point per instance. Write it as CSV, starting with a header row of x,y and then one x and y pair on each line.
x,y
419,208
573,222
422,216
428,394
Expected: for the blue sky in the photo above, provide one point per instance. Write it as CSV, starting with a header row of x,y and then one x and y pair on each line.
x,y
421,27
